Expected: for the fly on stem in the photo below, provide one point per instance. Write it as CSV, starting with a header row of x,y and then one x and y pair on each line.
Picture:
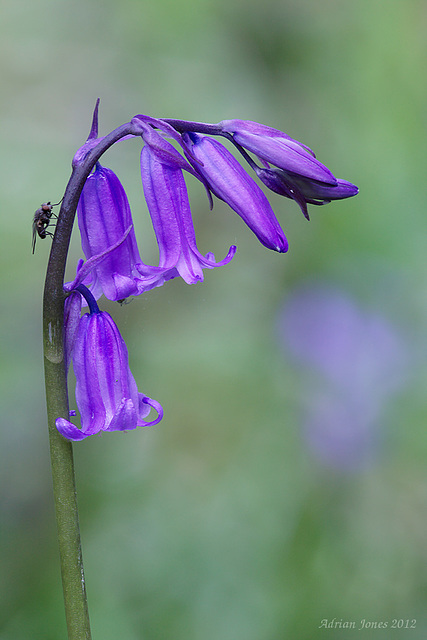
x,y
41,221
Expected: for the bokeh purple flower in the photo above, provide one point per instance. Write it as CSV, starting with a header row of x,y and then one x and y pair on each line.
x,y
353,361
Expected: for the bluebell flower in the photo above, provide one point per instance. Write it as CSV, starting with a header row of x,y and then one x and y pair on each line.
x,y
108,239
304,190
296,174
167,200
106,393
276,147
103,215
230,182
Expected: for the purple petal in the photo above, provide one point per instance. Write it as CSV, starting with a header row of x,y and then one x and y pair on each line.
x,y
164,150
276,180
279,149
145,405
314,191
167,201
230,182
84,268
287,155
69,430
106,393
125,417
104,216
88,359
72,311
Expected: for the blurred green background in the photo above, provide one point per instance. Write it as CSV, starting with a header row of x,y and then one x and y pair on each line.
x,y
221,523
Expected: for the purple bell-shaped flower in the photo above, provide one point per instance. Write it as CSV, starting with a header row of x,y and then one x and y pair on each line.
x,y
297,174
230,182
167,200
106,393
104,217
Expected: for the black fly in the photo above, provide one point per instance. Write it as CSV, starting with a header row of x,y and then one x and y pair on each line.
x,y
41,221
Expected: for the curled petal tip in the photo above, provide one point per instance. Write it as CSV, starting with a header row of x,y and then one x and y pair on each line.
x,y
145,404
69,430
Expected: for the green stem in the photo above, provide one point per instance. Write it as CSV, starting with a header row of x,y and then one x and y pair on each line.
x,y
61,451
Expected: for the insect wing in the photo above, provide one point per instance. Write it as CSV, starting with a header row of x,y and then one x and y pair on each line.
x,y
39,223
35,231
33,244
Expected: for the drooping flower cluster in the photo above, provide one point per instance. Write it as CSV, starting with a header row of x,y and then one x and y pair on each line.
x,y
113,265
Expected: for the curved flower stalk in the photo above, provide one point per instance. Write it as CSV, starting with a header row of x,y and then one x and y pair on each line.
x,y
106,393
167,201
